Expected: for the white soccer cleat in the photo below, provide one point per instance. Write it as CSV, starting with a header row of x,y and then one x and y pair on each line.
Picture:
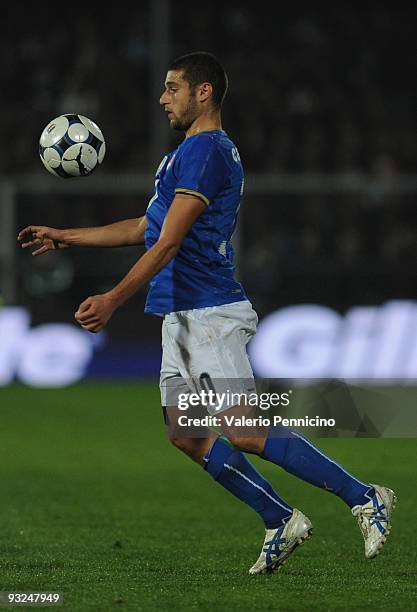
x,y
374,519
280,543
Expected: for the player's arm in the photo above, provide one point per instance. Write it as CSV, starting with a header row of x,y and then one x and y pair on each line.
x,y
95,311
123,233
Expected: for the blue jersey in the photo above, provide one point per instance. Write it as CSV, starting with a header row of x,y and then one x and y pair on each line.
x,y
201,274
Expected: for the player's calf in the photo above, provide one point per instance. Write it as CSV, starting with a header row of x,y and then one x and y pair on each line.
x,y
251,445
244,428
195,448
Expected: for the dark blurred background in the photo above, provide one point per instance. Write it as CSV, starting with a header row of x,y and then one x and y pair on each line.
x,y
321,104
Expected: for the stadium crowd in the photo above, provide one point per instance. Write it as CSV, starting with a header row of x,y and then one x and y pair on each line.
x,y
311,89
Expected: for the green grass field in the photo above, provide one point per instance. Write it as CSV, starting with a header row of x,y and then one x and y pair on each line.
x,y
97,505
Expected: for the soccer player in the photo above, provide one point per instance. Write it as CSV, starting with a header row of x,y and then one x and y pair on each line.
x,y
207,318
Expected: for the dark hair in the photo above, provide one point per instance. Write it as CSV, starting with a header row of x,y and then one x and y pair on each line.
x,y
202,67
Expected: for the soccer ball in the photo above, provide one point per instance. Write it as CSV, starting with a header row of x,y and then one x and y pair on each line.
x,y
71,145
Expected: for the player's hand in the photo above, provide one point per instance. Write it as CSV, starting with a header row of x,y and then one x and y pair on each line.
x,y
94,313
48,239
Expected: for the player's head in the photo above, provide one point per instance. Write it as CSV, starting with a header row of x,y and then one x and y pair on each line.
x,y
195,84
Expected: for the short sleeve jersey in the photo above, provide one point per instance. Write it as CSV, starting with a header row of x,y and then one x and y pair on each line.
x,y
201,274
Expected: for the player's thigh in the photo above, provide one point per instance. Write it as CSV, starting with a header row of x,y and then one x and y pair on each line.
x,y
211,345
228,329
172,385
194,440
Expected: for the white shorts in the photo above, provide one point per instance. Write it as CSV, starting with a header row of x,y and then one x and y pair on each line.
x,y
206,348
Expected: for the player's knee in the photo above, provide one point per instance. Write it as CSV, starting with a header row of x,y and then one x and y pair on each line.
x,y
248,445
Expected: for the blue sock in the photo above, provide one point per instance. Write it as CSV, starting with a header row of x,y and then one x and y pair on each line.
x,y
298,456
234,472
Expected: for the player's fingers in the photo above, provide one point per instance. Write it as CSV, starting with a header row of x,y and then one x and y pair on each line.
x,y
92,327
84,306
25,245
88,320
86,317
39,236
28,231
24,232
43,249
81,317
85,311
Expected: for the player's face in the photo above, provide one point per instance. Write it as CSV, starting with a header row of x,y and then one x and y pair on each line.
x,y
179,101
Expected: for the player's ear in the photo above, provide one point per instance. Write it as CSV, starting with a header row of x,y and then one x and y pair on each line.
x,y
205,90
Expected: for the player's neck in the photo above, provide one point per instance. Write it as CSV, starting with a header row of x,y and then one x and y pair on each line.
x,y
205,123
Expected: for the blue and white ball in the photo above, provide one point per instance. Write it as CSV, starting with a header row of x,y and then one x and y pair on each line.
x,y
71,145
